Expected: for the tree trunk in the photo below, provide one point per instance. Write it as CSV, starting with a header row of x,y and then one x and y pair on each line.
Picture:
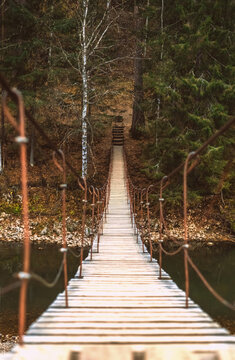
x,y
84,90
138,119
146,31
161,58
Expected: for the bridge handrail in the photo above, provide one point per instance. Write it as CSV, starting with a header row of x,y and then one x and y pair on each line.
x,y
135,195
99,207
10,92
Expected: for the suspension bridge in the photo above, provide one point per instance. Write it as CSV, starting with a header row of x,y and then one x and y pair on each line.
x,y
120,304
119,309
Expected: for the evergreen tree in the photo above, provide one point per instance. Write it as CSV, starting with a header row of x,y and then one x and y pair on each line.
x,y
195,84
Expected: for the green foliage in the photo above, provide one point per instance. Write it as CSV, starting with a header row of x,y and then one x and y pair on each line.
x,y
190,84
188,79
173,198
14,208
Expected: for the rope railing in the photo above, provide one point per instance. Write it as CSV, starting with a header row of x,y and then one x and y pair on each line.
x,y
98,201
95,200
137,206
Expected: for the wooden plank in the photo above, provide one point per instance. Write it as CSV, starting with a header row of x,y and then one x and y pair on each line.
x,y
96,314
36,339
113,325
121,301
47,330
157,312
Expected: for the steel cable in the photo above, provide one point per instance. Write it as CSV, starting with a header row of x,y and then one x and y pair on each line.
x,y
73,253
185,245
46,283
50,143
173,252
209,287
9,288
36,277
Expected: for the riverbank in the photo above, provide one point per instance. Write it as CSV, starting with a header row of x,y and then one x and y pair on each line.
x,y
202,231
44,230
48,230
7,342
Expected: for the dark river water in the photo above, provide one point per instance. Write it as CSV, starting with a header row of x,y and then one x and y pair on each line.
x,y
217,263
45,261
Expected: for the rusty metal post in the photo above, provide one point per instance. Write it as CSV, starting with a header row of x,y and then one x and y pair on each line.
x,y
128,188
148,222
138,209
63,188
102,209
84,188
134,212
189,157
22,140
126,176
109,182
131,202
141,205
105,201
92,218
98,217
141,215
161,200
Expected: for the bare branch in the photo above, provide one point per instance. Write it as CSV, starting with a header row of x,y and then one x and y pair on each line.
x,y
66,56
96,30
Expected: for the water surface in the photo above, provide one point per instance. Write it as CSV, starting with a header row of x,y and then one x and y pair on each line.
x,y
217,264
45,261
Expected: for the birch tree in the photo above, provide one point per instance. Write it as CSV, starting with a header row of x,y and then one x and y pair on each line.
x,y
92,25
90,42
84,43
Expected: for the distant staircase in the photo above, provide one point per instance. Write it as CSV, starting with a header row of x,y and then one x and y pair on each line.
x,y
118,135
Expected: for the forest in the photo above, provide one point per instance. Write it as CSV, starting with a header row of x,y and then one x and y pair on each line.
x,y
174,60
163,68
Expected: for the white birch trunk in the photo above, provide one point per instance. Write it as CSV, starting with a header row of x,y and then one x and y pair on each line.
x,y
84,90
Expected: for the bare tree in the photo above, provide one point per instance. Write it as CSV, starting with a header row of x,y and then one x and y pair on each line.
x,y
91,31
90,42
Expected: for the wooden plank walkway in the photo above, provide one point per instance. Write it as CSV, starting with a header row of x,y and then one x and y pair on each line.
x,y
120,309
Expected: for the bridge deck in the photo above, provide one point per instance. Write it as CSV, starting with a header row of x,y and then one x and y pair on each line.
x,y
120,303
